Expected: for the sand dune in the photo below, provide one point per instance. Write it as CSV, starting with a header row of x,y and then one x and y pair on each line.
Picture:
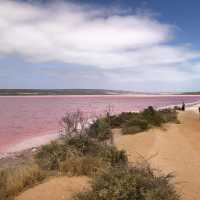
x,y
173,148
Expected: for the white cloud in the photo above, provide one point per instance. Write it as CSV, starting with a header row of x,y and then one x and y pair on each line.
x,y
101,38
83,35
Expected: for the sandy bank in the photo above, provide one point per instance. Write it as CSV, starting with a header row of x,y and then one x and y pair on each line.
x,y
173,148
56,189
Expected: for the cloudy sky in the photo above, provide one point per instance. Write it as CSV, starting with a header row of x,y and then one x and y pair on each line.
x,y
135,45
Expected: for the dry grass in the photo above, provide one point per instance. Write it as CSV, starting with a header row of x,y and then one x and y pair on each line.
x,y
85,165
13,181
79,154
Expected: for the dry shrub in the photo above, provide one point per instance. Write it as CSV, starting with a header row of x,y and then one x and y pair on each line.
x,y
50,155
136,183
73,123
13,181
78,149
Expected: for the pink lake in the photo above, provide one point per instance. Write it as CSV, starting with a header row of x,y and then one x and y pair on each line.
x,y
25,117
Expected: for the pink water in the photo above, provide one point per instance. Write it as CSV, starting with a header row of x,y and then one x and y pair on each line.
x,y
22,118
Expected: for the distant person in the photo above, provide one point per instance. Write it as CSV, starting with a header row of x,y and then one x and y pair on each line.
x,y
183,106
199,112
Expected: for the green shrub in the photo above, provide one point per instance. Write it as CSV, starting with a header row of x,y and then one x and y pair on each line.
x,y
99,158
137,183
156,118
134,125
114,157
152,116
137,122
100,130
49,156
116,121
169,115
83,144
76,149
15,180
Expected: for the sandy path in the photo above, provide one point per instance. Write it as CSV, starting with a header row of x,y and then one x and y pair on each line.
x,y
174,148
60,188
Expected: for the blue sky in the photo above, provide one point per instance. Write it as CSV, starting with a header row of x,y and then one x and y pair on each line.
x,y
111,44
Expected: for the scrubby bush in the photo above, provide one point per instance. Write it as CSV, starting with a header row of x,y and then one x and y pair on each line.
x,y
157,117
169,115
49,156
136,183
137,122
111,155
153,117
116,121
94,161
83,144
75,151
13,181
87,146
100,130
134,125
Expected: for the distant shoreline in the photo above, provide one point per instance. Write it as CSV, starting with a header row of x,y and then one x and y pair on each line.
x,y
90,92
102,95
30,92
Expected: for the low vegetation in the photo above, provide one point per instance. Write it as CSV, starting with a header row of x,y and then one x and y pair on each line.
x,y
137,122
79,155
84,150
135,183
82,165
15,180
100,129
